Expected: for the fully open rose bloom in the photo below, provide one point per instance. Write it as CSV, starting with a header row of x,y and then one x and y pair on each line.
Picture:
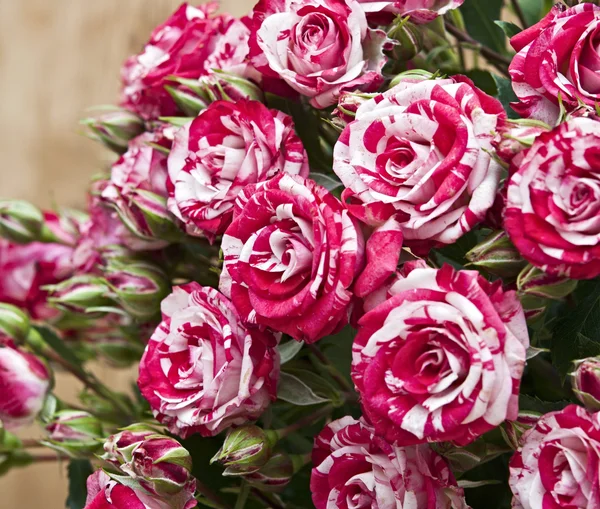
x,y
290,258
188,45
106,493
353,467
24,383
320,48
420,11
558,463
421,152
228,146
553,203
558,59
442,359
202,370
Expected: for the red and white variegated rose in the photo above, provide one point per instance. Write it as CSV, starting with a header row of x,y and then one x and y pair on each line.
x,y
24,384
228,146
137,189
202,370
188,45
420,11
290,258
421,152
106,493
320,48
442,358
558,61
354,467
557,465
553,203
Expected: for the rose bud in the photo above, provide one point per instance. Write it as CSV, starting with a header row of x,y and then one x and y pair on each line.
x,y
585,381
14,323
246,449
347,107
25,381
231,87
536,283
137,285
515,136
74,433
407,39
22,222
278,471
106,492
79,294
157,463
497,255
114,128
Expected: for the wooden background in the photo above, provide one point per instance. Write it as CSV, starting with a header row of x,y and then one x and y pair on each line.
x,y
58,58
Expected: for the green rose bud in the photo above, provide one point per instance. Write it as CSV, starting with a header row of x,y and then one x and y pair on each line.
x,y
14,323
408,40
497,255
114,129
74,433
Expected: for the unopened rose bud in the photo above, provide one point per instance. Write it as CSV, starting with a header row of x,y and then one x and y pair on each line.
x,y
189,102
585,381
408,40
80,294
534,282
497,255
347,107
278,471
22,222
25,381
515,136
114,128
157,463
14,323
245,450
137,285
74,433
221,85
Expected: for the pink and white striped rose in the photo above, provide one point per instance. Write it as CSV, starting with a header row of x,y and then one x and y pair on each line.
x,y
188,45
420,11
103,492
290,258
558,60
24,384
421,152
553,202
202,370
320,48
228,146
557,465
441,359
354,467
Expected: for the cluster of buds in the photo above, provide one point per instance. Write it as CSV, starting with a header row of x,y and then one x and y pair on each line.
x,y
114,128
585,381
192,96
22,222
497,255
74,433
141,458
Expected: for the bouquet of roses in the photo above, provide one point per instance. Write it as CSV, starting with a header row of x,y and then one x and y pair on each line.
x,y
354,248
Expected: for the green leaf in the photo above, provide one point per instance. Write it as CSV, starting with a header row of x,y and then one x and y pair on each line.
x,y
58,345
484,80
576,334
479,18
534,10
506,95
295,391
79,471
534,404
289,350
327,181
510,29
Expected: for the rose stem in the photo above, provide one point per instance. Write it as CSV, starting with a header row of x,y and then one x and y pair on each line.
x,y
498,60
333,371
240,503
306,421
519,12
45,458
266,499
30,443
206,492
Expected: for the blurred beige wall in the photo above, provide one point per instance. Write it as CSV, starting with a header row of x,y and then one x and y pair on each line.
x,y
58,58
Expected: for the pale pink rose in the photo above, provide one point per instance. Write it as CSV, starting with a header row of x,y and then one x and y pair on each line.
x,y
203,370
421,152
442,358
320,48
354,467
557,465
